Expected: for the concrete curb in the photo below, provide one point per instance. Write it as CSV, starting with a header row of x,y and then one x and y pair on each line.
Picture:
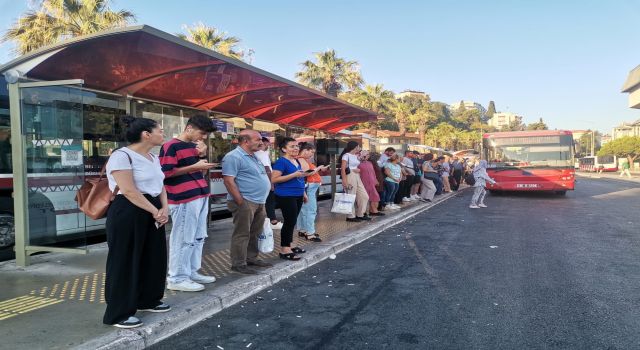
x,y
204,305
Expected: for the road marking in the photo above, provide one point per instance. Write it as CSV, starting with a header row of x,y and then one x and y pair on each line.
x,y
427,268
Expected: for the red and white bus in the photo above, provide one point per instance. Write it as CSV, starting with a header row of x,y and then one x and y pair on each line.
x,y
598,163
540,160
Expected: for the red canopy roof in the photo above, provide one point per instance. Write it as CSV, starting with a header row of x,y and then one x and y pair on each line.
x,y
147,63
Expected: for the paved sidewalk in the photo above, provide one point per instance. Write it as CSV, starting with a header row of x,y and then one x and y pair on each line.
x,y
635,176
58,302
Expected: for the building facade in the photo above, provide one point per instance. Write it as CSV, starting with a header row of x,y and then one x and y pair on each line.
x,y
626,129
388,138
468,105
632,87
502,120
408,93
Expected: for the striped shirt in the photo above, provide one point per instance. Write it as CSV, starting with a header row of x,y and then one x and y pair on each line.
x,y
183,188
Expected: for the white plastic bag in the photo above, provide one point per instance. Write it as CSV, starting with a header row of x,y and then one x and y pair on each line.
x,y
343,203
265,240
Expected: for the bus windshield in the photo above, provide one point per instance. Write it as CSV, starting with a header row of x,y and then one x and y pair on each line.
x,y
530,151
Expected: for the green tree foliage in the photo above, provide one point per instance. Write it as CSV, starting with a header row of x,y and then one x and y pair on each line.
x,y
214,39
628,146
583,145
412,113
539,125
491,110
57,20
402,112
375,98
330,73
515,125
467,119
461,107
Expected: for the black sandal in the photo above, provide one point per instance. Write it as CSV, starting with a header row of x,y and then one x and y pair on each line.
x,y
302,234
313,237
290,256
298,250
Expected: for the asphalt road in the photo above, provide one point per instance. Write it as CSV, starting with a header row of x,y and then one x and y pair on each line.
x,y
529,272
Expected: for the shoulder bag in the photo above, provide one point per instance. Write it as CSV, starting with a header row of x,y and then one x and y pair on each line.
x,y
94,196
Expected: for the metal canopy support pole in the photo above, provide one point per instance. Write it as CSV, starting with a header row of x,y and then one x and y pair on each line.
x,y
334,185
21,222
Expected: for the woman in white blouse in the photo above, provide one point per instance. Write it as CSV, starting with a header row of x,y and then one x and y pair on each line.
x,y
351,182
137,258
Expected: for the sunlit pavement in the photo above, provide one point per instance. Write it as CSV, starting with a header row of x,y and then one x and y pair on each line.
x,y
59,300
530,271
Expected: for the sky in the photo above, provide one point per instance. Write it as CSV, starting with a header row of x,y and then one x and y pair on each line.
x,y
563,61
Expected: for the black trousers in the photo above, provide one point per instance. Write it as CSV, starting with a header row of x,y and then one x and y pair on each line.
x,y
290,207
405,188
136,262
270,206
457,177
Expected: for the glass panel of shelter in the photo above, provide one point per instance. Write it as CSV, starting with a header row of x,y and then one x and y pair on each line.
x,y
52,123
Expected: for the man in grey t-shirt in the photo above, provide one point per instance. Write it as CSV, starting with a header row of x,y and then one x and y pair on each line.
x,y
247,185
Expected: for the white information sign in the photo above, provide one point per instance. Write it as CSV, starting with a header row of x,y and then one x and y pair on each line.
x,y
71,155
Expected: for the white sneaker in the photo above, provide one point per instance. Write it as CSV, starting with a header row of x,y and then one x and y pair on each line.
x,y
196,277
185,286
473,206
406,199
276,226
482,205
391,206
396,207
415,197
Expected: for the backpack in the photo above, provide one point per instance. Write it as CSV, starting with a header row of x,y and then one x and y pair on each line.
x,y
470,179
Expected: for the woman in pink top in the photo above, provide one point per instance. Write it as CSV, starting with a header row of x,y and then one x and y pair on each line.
x,y
368,177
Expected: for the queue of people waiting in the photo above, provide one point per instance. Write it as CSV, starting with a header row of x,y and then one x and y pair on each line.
x,y
384,181
149,189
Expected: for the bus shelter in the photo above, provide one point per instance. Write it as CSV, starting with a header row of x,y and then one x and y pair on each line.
x,y
63,103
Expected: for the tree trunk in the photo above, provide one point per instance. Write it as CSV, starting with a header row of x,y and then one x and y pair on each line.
x,y
332,89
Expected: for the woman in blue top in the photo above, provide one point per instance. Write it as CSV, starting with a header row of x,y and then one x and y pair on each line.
x,y
288,179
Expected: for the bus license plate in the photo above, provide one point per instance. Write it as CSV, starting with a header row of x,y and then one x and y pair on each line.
x,y
527,185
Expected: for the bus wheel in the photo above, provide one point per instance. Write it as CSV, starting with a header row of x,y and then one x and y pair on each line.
x,y
7,230
561,193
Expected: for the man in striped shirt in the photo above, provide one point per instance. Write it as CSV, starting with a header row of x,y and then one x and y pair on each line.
x,y
184,164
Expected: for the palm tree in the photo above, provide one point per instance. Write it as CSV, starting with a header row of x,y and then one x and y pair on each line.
x,y
57,20
330,73
214,39
375,98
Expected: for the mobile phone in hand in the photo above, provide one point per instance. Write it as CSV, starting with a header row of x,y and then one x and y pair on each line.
x,y
309,171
